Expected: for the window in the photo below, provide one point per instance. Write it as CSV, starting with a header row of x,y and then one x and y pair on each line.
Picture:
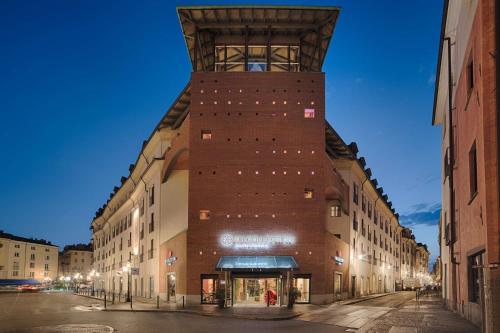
x,y
32,257
32,265
46,267
33,248
32,274
308,113
141,207
363,203
354,221
209,284
470,76
280,58
152,223
335,211
303,285
151,196
206,134
17,246
474,267
151,249
355,193
16,254
308,193
473,170
204,214
47,258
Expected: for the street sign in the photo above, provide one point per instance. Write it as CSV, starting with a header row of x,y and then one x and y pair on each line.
x,y
170,261
134,271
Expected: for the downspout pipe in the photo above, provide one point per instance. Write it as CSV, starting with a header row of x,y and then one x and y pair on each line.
x,y
451,148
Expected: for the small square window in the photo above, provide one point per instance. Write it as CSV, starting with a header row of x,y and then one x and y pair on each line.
x,y
204,214
308,193
308,113
206,134
335,211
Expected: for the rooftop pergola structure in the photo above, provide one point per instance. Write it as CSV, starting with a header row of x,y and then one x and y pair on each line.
x,y
303,33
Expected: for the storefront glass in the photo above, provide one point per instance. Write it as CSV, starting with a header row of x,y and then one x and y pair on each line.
x,y
303,284
256,291
209,284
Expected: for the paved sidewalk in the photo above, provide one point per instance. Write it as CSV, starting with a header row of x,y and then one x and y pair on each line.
x,y
426,316
258,313
307,312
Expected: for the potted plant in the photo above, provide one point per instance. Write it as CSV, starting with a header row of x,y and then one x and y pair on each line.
x,y
220,296
294,294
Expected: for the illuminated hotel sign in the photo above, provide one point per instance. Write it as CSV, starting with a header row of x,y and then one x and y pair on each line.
x,y
243,241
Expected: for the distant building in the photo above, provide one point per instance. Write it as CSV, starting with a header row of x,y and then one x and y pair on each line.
x,y
76,259
466,107
422,264
436,271
27,258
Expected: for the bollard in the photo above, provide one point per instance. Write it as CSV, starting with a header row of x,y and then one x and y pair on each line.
x,y
130,302
119,297
104,301
113,298
183,302
157,301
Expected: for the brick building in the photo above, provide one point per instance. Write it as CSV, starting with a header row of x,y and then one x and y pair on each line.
x,y
465,106
243,185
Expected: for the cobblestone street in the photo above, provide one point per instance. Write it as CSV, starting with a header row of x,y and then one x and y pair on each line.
x,y
425,316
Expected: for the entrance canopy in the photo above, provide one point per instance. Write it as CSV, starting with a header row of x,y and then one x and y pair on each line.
x,y
257,263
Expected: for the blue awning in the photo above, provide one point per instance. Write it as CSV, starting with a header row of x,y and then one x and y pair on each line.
x,y
12,282
257,263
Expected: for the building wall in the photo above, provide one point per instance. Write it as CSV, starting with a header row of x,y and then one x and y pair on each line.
x,y
24,260
471,27
244,137
368,273
75,261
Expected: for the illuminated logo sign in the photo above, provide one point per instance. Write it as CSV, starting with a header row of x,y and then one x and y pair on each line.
x,y
235,241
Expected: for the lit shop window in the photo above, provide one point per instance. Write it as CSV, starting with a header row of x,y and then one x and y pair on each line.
x,y
206,134
308,113
308,193
204,214
335,211
303,285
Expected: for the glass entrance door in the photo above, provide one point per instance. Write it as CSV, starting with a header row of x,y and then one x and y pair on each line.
x,y
256,291
171,287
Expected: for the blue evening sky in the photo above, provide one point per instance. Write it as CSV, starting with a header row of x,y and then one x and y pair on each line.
x,y
83,83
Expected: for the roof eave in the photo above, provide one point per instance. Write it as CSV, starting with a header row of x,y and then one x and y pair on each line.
x,y
440,53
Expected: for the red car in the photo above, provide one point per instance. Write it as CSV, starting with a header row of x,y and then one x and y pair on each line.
x,y
27,288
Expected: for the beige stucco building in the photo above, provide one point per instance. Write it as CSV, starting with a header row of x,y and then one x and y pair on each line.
x,y
24,258
76,259
371,228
